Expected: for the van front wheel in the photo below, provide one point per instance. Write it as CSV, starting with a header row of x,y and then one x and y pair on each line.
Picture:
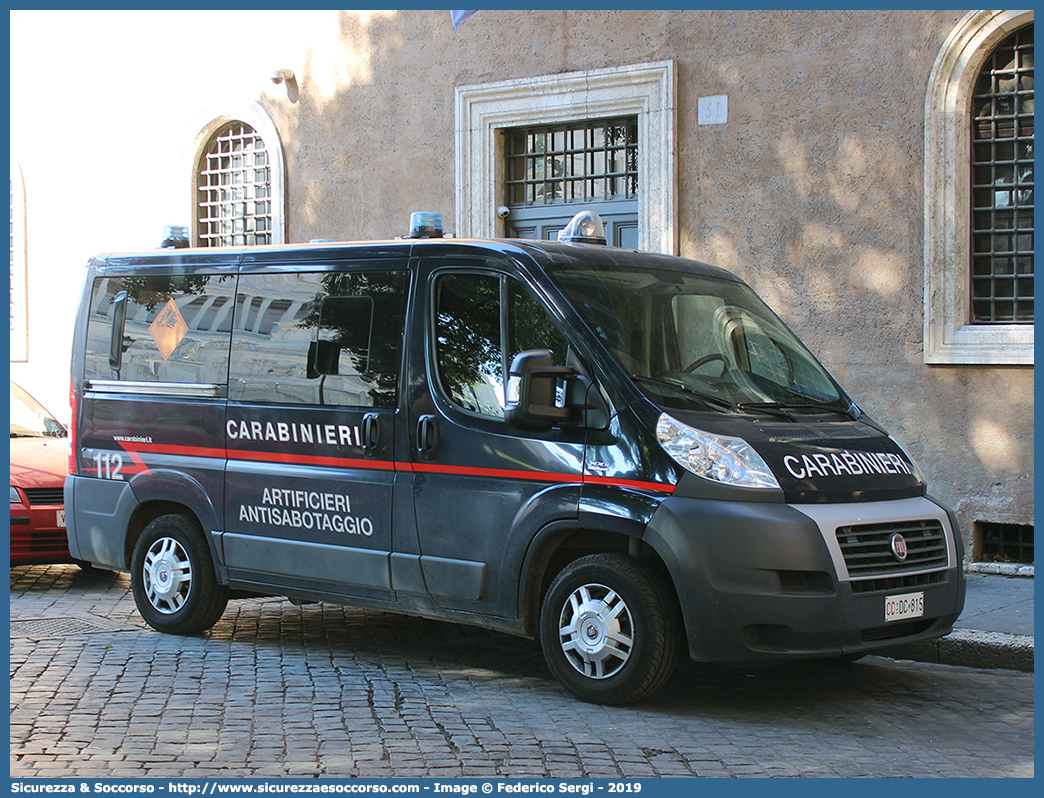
x,y
172,577
609,630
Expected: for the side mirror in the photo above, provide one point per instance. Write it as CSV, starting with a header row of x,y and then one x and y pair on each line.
x,y
532,393
541,395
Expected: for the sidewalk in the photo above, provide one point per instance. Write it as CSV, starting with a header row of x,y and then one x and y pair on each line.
x,y
994,631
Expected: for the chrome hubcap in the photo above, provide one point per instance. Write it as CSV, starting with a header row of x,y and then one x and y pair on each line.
x,y
167,575
596,631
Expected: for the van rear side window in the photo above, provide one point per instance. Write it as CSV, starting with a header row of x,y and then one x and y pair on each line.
x,y
168,328
321,338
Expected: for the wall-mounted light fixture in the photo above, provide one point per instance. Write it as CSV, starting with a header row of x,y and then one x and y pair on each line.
x,y
282,74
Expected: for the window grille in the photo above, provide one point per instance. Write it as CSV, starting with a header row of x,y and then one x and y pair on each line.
x,y
235,205
1002,185
996,542
595,161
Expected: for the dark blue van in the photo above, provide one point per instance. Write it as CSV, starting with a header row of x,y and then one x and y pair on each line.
x,y
626,455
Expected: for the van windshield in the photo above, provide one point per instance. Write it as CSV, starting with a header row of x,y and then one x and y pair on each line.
x,y
697,342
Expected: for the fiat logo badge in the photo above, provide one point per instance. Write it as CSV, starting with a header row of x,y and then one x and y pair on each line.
x,y
899,547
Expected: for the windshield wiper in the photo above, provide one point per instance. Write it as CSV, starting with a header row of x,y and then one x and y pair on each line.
x,y
768,408
816,406
776,409
783,407
679,386
826,403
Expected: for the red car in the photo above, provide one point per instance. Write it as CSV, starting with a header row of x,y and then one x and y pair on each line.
x,y
39,463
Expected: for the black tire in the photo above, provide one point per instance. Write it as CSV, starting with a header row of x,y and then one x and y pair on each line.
x,y
609,629
172,577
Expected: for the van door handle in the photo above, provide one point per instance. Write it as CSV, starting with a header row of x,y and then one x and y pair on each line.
x,y
428,437
371,434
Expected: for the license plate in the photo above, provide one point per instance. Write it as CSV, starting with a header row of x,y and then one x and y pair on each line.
x,y
59,518
909,605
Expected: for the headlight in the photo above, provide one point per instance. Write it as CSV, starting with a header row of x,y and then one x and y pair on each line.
x,y
15,498
730,461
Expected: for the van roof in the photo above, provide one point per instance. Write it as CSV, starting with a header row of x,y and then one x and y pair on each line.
x,y
544,253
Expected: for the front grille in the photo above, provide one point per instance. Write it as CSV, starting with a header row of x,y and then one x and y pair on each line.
x,y
893,583
793,580
805,582
867,548
25,542
46,496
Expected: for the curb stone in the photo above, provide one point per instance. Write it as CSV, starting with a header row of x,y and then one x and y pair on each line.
x,y
1000,569
971,649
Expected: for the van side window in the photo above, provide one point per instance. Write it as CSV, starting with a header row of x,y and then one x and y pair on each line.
x,y
473,314
320,338
171,328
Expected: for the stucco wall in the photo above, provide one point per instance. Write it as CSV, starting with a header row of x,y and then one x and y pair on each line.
x,y
812,191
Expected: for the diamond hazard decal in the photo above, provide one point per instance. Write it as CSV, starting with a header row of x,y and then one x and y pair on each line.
x,y
168,328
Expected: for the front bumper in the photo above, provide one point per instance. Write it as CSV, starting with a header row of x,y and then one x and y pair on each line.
x,y
38,535
767,581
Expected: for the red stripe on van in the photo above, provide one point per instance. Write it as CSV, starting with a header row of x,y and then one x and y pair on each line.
x,y
272,457
138,462
661,487
502,473
387,465
538,476
163,448
304,459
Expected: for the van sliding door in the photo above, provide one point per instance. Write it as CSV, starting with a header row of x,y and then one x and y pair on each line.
x,y
313,385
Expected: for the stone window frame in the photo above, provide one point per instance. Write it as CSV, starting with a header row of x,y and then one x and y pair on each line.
x,y
949,335
483,111
254,115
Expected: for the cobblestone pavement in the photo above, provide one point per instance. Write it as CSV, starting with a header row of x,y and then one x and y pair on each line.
x,y
278,690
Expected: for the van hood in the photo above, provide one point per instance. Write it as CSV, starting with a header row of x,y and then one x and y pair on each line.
x,y
819,461
39,462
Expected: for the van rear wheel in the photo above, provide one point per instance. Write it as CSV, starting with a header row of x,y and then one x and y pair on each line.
x,y
172,577
608,629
